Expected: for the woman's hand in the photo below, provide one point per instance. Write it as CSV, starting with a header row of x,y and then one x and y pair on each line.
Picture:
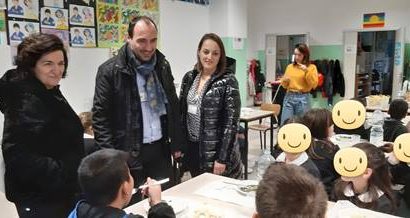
x,y
219,168
303,67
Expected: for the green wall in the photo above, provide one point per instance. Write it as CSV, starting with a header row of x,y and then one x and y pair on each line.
x,y
316,52
241,64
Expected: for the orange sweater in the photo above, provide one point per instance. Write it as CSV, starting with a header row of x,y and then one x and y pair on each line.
x,y
299,80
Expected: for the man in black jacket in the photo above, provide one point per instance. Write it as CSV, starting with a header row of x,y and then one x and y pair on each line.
x,y
136,106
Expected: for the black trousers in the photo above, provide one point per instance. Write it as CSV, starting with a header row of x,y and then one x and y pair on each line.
x,y
193,159
156,164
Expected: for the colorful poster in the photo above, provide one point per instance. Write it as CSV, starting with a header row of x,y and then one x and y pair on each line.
x,y
151,5
108,1
123,34
128,14
108,36
23,9
129,2
81,15
54,18
108,14
54,3
2,21
18,30
82,37
373,20
62,34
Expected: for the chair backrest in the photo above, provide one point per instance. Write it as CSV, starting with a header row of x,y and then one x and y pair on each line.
x,y
275,108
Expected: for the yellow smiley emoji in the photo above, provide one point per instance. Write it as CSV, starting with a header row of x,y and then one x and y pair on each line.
x,y
350,162
401,147
294,138
349,114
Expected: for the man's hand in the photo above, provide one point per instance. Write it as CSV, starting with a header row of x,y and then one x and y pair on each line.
x,y
219,168
177,154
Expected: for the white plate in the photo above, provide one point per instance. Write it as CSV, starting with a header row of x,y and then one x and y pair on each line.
x,y
178,204
245,183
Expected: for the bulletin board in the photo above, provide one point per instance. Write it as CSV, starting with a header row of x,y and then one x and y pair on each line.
x,y
79,23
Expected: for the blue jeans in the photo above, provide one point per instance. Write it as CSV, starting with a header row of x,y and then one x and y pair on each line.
x,y
294,104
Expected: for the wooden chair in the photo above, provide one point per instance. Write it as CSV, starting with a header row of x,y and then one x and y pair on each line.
x,y
264,126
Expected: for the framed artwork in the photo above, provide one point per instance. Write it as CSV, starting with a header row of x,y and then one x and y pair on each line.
x,y
18,30
81,15
27,9
82,37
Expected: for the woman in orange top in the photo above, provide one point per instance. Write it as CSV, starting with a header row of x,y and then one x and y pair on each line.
x,y
300,77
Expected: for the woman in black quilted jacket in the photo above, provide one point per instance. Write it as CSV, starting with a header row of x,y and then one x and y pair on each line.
x,y
43,137
210,107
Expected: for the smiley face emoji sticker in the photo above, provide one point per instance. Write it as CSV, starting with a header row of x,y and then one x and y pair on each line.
x,y
349,114
401,147
350,162
294,138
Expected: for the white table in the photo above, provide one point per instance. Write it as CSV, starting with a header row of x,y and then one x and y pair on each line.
x,y
187,191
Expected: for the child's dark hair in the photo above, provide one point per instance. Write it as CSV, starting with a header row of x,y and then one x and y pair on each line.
x,y
288,190
379,180
398,109
101,175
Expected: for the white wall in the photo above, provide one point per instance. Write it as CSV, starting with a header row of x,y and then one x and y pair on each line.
x,y
325,20
182,25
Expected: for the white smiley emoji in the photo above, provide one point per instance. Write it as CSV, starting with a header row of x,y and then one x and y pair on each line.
x,y
349,114
294,138
350,162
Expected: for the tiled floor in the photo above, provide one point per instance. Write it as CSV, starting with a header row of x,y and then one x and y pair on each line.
x,y
8,210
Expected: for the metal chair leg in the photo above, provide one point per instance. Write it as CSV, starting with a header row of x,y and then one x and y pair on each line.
x,y
260,137
264,139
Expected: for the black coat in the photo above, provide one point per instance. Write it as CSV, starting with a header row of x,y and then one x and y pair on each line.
x,y
392,128
86,210
42,142
117,115
220,109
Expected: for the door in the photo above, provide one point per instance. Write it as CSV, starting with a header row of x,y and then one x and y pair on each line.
x,y
349,62
398,62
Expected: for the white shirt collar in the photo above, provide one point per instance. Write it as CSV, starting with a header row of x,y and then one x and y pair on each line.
x,y
364,197
298,161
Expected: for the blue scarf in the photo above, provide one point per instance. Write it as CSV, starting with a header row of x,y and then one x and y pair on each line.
x,y
155,93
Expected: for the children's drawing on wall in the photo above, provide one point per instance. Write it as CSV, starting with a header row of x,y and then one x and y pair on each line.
x,y
62,19
75,16
108,14
15,8
123,33
20,29
89,37
151,5
88,15
129,2
62,34
108,1
108,36
77,37
3,4
48,20
31,9
128,14
2,21
54,3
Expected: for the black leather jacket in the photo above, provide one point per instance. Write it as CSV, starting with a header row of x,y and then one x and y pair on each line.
x,y
220,111
42,142
117,116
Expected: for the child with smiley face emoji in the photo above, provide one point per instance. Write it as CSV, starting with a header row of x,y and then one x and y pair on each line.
x,y
294,139
365,178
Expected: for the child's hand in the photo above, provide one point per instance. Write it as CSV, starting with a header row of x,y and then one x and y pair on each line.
x,y
152,191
